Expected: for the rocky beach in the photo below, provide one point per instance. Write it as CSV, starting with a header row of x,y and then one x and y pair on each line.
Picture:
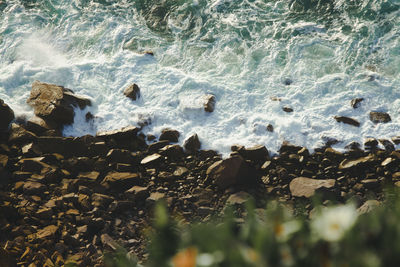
x,y
70,199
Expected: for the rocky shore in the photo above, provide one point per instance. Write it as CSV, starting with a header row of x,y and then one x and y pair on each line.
x,y
69,199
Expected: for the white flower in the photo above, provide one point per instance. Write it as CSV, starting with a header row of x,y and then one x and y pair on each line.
x,y
283,231
332,223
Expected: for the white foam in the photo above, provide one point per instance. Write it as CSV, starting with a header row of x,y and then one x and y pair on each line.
x,y
242,63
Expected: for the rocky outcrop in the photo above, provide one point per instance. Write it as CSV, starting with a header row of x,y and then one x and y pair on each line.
x,y
132,91
6,116
54,103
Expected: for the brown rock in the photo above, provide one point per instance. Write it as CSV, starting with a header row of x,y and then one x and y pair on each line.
x,y
120,156
152,160
287,109
38,125
33,188
352,163
108,242
34,165
132,91
20,135
370,143
368,206
154,147
255,153
154,197
347,120
137,193
125,133
66,146
306,187
172,151
100,200
356,102
55,103
209,103
230,171
6,116
49,232
192,144
238,198
169,135
379,117
121,181
270,128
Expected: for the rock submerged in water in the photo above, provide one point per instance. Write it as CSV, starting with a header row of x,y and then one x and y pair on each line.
x,y
132,91
6,116
55,103
192,144
347,120
209,103
356,102
169,135
379,117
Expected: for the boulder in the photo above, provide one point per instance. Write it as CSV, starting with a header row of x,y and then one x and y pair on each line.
x,y
256,153
353,163
120,156
192,144
122,134
231,171
209,103
379,117
306,187
287,109
132,91
19,135
152,160
55,103
66,146
121,181
6,116
347,120
370,143
169,135
39,126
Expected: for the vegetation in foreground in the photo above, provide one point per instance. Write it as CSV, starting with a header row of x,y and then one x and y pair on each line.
x,y
337,235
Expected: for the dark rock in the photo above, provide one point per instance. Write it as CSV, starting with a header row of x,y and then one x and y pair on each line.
x,y
132,91
389,146
192,144
370,143
270,128
100,200
34,165
172,151
137,193
370,183
33,188
67,146
108,242
287,109
121,181
123,134
347,120
256,153
287,81
356,102
306,187
209,103
289,148
379,117
19,135
39,126
238,198
231,171
169,135
396,140
121,156
55,103
154,147
89,116
6,116
353,146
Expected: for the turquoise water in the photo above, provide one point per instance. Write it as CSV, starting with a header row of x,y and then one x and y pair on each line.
x,y
243,52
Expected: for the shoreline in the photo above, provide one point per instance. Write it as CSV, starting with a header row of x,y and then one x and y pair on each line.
x,y
69,199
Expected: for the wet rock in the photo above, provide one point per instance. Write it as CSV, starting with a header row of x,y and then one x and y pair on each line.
x,y
347,120
289,148
169,135
129,132
19,135
6,116
354,163
192,144
121,181
370,143
396,140
306,187
287,109
287,81
67,146
132,91
154,147
121,156
353,146
270,128
379,117
55,103
39,126
356,102
231,171
172,151
389,146
256,153
209,103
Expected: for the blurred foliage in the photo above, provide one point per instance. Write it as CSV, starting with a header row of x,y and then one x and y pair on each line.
x,y
337,235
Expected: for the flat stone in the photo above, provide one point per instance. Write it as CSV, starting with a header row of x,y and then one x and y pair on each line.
x,y
120,156
138,193
91,176
100,200
172,151
154,147
153,159
238,198
306,187
121,180
121,134
48,232
33,188
351,163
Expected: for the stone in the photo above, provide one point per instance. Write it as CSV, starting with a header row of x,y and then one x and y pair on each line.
x,y
3,161
169,135
154,197
255,153
108,242
154,147
34,165
55,103
33,188
19,135
152,160
238,198
379,117
121,156
356,102
172,151
230,171
389,146
347,120
287,109
306,187
368,206
396,139
289,148
370,183
270,128
132,91
209,103
6,116
100,200
370,143
121,181
39,126
90,176
66,146
49,232
180,171
353,163
192,144
137,193
122,134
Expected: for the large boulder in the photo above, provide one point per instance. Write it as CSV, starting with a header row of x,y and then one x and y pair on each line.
x,y
6,116
231,171
379,117
132,91
306,187
55,103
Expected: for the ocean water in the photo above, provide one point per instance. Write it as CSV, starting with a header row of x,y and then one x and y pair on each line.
x,y
244,52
